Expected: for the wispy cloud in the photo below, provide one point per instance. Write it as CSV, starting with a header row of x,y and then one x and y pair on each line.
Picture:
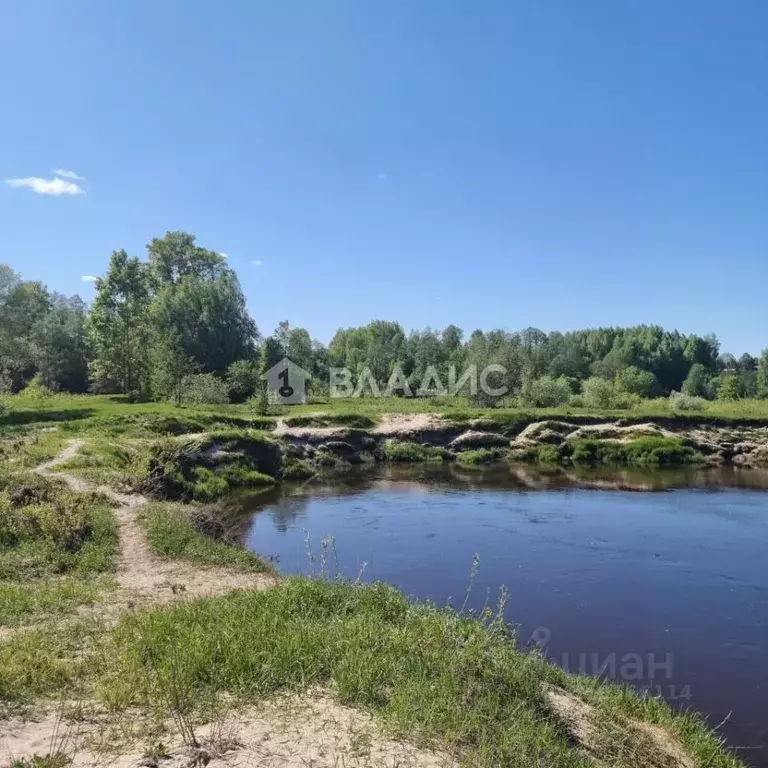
x,y
40,186
89,278
257,263
223,255
68,175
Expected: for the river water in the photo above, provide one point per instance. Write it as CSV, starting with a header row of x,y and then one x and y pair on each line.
x,y
664,586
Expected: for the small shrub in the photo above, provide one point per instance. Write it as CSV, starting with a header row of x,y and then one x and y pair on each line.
x,y
548,454
297,470
644,451
204,388
680,401
603,394
395,451
597,392
480,456
36,390
545,392
243,380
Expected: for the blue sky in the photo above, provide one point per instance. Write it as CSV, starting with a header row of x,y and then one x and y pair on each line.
x,y
494,164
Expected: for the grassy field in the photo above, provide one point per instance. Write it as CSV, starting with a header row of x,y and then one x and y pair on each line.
x,y
113,415
445,681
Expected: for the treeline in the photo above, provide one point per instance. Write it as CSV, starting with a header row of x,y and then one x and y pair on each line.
x,y
175,326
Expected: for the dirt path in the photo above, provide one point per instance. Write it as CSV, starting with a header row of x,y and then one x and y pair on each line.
x,y
142,576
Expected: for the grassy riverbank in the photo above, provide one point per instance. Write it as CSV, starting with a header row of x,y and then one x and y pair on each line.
x,y
456,686
149,611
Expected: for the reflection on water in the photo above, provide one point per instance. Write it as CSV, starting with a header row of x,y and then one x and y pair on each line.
x,y
666,591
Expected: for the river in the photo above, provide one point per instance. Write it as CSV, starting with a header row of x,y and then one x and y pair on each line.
x,y
666,589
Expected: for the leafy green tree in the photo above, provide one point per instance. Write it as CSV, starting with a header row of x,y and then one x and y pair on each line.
x,y
59,345
176,256
171,365
23,304
637,382
118,327
697,382
209,318
243,378
545,392
727,387
762,374
598,392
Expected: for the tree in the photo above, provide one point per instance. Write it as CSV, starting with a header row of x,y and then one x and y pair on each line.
x,y
727,387
23,304
696,383
208,317
637,382
271,354
59,346
545,392
118,327
175,256
243,380
762,374
171,366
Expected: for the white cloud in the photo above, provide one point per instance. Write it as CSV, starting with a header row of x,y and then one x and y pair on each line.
x,y
46,186
256,263
68,175
89,278
223,255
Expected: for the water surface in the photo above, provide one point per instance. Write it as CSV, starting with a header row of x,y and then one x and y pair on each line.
x,y
665,590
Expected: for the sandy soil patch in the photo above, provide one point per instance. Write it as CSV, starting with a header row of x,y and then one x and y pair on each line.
x,y
290,732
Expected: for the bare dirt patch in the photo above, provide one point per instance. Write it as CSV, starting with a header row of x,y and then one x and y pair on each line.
x,y
289,732
618,742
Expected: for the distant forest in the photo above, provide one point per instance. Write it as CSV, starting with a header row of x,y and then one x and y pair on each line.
x,y
175,326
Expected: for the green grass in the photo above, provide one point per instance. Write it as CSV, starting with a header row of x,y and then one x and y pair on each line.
x,y
481,456
56,548
433,676
170,533
113,415
64,532
20,602
414,452
40,663
211,467
644,451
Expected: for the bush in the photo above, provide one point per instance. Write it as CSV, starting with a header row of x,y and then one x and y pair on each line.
x,y
243,380
36,390
545,392
680,401
414,452
204,388
727,387
697,383
597,392
548,454
636,381
644,451
480,456
601,393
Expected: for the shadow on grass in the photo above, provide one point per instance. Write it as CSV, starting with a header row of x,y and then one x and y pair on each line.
x,y
18,418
